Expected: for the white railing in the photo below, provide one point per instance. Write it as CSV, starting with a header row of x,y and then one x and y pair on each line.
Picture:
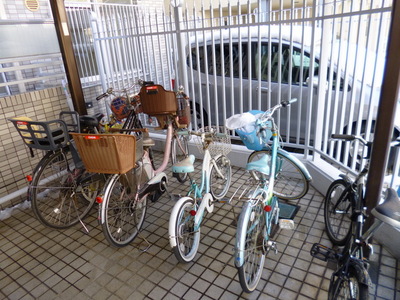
x,y
329,56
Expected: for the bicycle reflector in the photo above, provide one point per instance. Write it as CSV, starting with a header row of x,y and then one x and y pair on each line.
x,y
99,199
267,208
193,212
28,178
92,137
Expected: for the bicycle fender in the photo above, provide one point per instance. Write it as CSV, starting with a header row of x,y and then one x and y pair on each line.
x,y
106,191
346,178
297,162
171,226
362,272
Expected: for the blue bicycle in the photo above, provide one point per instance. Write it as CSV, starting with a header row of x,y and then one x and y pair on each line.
x,y
275,174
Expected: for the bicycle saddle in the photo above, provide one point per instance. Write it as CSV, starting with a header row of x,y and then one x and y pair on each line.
x,y
90,121
184,166
389,211
261,165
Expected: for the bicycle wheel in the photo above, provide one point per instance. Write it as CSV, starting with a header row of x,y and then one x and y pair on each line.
x,y
187,236
220,177
61,195
122,212
337,212
348,287
179,151
290,181
250,243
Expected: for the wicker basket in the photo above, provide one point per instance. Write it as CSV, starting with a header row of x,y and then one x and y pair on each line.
x,y
155,100
107,153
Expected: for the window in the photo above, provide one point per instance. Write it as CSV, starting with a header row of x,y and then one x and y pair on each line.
x,y
227,56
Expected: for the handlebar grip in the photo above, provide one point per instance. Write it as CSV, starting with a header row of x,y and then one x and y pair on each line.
x,y
184,132
347,137
101,96
286,103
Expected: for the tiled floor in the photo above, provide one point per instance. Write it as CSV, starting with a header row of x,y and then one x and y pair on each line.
x,y
41,263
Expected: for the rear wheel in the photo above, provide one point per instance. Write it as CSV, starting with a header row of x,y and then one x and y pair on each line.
x,y
290,181
337,212
348,287
123,212
250,243
61,195
187,235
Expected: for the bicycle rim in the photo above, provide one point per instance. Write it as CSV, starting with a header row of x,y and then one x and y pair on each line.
x,y
124,212
337,212
220,177
187,236
290,181
348,287
179,151
58,200
251,250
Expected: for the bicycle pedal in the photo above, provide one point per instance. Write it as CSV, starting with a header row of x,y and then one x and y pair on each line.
x,y
322,252
286,224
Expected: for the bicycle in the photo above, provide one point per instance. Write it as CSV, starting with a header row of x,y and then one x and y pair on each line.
x,y
216,173
343,195
260,212
351,280
123,202
60,190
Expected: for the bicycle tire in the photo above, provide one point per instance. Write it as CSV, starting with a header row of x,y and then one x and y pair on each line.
x,y
179,151
348,286
337,212
250,252
290,181
219,186
59,196
187,238
123,214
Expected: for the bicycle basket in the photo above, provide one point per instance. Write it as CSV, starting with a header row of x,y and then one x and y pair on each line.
x,y
250,138
119,108
183,111
221,140
155,100
107,153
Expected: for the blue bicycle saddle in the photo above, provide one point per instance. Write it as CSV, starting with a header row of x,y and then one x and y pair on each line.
x,y
261,165
184,166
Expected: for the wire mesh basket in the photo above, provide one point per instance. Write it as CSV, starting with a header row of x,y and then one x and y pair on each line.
x,y
216,138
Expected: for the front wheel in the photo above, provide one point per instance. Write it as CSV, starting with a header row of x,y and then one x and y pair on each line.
x,y
184,231
348,286
290,181
337,212
220,177
250,245
61,195
123,212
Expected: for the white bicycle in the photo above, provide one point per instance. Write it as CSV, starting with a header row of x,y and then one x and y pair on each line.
x,y
187,214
